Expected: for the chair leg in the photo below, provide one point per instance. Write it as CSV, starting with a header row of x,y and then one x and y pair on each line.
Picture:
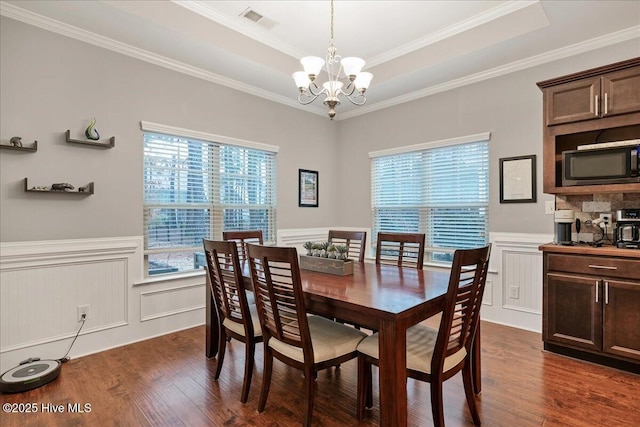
x,y
248,369
310,385
266,378
437,408
467,378
222,346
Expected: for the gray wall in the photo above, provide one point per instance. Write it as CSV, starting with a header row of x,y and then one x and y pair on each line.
x,y
50,83
510,107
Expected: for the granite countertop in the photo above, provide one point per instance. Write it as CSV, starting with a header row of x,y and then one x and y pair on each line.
x,y
584,249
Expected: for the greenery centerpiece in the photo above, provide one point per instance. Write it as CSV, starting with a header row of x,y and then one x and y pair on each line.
x,y
325,257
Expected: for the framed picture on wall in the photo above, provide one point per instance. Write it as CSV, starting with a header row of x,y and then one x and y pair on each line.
x,y
307,188
518,179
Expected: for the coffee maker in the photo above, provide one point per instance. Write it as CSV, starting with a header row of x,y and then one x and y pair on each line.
x,y
563,219
627,232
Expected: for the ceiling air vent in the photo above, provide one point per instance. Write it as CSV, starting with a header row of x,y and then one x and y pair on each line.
x,y
258,18
251,15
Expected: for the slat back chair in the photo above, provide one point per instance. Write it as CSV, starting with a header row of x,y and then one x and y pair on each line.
x,y
401,249
437,355
242,238
238,319
355,242
308,343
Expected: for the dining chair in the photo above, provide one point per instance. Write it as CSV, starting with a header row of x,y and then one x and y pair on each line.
x,y
238,319
242,238
354,241
435,355
401,249
309,343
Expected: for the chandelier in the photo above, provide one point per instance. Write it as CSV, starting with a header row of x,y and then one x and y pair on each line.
x,y
351,66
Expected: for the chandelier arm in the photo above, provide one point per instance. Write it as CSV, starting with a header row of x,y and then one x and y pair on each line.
x,y
354,100
316,94
311,99
349,86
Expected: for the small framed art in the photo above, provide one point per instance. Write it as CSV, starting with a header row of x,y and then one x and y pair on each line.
x,y
518,179
307,188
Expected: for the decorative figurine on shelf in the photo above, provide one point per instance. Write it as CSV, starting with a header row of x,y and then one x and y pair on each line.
x,y
16,141
62,186
91,132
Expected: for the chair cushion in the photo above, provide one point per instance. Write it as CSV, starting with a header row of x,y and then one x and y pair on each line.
x,y
329,340
239,328
421,340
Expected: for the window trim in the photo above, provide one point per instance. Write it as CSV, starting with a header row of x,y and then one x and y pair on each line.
x,y
205,136
467,139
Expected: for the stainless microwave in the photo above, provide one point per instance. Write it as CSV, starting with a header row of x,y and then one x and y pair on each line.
x,y
612,165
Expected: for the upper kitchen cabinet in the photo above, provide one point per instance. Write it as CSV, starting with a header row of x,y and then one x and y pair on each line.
x,y
591,107
592,94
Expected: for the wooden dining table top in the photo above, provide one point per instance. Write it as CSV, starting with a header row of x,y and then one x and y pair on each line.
x,y
378,291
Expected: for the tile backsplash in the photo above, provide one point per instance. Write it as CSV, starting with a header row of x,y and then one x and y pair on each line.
x,y
588,207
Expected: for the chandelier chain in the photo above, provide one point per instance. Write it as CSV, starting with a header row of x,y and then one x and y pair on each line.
x,y
331,21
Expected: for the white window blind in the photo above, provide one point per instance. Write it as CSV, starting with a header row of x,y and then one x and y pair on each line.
x,y
196,189
442,192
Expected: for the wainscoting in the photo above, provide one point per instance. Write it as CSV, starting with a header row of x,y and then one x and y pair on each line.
x,y
513,295
43,283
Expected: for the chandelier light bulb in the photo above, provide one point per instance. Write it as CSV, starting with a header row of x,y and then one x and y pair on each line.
x,y
302,80
333,88
362,81
352,66
312,65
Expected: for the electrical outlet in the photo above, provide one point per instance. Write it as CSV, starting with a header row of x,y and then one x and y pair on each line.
x,y
549,207
514,292
606,218
83,310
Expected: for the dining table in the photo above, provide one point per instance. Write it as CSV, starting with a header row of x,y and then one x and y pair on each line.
x,y
385,298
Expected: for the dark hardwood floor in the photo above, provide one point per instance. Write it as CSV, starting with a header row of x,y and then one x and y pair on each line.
x,y
167,381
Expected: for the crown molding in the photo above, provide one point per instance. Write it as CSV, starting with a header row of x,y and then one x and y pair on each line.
x,y
452,30
31,18
45,23
554,55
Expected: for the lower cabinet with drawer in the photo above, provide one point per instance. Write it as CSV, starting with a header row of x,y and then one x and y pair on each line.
x,y
591,308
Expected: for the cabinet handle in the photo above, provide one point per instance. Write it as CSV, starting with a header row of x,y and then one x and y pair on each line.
x,y
596,105
602,267
597,283
606,104
606,292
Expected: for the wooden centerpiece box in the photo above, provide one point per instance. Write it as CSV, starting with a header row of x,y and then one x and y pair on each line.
x,y
326,265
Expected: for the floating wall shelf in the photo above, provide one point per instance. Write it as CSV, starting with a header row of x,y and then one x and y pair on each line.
x,y
31,149
110,144
86,189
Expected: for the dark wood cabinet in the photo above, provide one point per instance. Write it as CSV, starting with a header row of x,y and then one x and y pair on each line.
x,y
622,318
574,314
593,98
591,304
589,107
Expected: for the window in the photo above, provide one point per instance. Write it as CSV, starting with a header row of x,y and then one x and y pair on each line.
x,y
441,191
195,189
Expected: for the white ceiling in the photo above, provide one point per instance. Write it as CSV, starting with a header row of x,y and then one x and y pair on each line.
x,y
413,48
